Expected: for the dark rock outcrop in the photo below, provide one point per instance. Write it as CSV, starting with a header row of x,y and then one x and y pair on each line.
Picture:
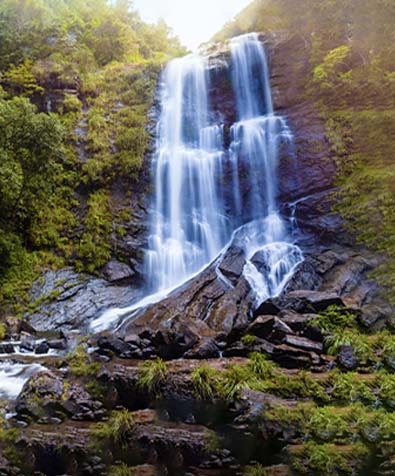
x,y
115,271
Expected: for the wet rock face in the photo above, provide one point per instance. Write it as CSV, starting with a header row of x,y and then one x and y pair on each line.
x,y
69,300
215,314
209,301
220,296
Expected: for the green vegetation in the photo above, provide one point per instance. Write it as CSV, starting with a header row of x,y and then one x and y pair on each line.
x,y
320,432
333,320
94,65
327,459
120,470
249,340
8,437
341,420
152,374
117,429
81,365
205,382
359,342
256,470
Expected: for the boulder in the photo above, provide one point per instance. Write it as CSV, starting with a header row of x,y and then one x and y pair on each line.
x,y
205,349
305,277
113,345
16,325
268,307
233,263
115,271
28,342
347,358
294,357
177,336
40,395
326,260
79,405
259,260
42,348
47,396
270,328
133,339
240,349
297,322
313,333
303,343
305,301
7,348
58,344
252,404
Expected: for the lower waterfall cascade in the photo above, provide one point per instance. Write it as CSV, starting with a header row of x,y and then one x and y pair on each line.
x,y
190,221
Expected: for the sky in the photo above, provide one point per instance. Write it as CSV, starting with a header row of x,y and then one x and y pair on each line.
x,y
193,21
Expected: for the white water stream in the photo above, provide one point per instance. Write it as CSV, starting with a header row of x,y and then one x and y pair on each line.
x,y
13,376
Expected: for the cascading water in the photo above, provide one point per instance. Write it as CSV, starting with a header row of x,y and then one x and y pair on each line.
x,y
192,219
188,224
256,141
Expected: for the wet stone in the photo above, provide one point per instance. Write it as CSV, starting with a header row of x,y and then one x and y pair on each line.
x,y
7,348
42,348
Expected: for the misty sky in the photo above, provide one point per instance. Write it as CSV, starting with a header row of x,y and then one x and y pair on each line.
x,y
194,21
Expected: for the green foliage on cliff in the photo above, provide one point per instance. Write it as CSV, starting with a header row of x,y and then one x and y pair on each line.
x,y
340,421
94,65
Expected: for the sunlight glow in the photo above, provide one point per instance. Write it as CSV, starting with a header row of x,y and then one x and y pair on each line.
x,y
194,21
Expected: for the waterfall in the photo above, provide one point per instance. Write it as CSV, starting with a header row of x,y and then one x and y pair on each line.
x,y
194,217
188,225
256,141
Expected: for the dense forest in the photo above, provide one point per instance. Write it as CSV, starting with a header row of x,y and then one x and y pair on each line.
x,y
77,79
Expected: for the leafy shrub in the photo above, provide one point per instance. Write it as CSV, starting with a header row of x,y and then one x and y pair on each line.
x,y
333,320
363,347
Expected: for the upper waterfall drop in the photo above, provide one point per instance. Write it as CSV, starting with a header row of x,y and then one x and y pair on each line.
x,y
188,224
250,74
